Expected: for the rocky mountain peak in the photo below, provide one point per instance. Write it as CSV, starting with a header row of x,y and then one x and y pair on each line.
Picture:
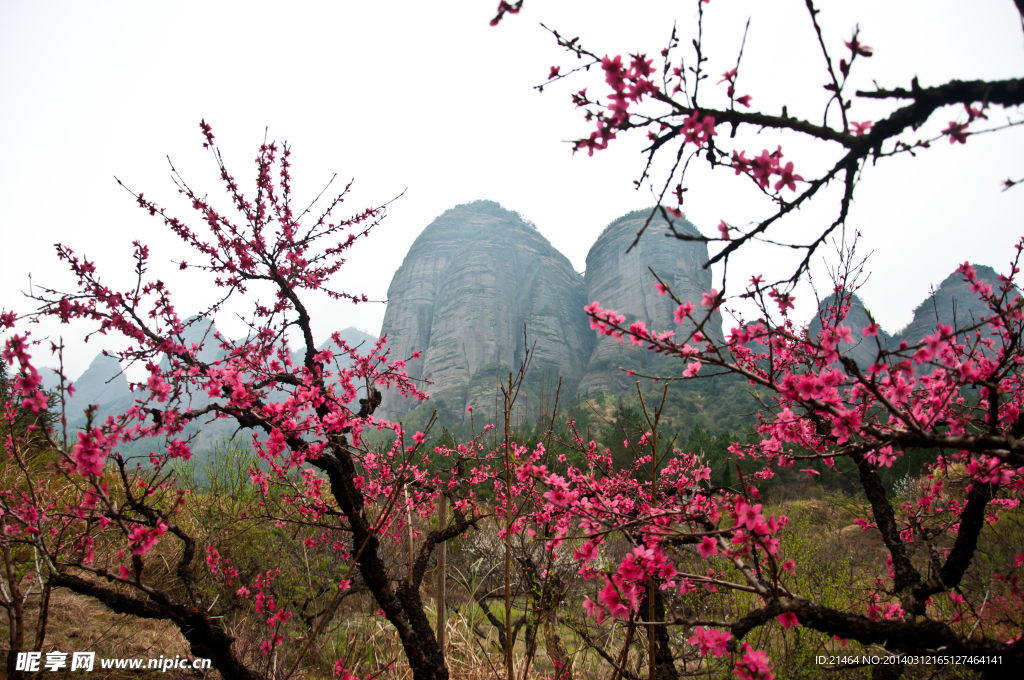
x,y
102,383
861,349
623,281
953,303
468,285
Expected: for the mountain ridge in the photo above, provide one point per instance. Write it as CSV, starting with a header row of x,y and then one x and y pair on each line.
x,y
478,272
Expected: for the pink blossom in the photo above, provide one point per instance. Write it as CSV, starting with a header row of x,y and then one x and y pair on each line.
x,y
708,547
783,300
593,609
281,616
609,597
788,620
857,48
145,539
179,449
787,178
711,640
862,128
957,132
755,665
339,665
682,311
88,454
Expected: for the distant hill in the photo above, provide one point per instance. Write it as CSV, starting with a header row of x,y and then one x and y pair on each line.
x,y
103,384
470,281
479,273
952,303
861,349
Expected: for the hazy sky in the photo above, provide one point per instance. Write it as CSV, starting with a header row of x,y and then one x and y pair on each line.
x,y
426,98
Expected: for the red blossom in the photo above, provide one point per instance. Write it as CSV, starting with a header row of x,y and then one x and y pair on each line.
x,y
957,132
862,128
711,300
503,7
710,640
858,49
788,620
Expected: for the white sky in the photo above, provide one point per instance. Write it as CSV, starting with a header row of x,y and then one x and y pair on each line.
x,y
426,97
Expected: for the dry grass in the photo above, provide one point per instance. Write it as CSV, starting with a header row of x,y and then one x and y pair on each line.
x,y
81,624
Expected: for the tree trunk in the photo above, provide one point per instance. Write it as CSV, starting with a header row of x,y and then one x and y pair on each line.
x,y
206,638
664,663
442,522
404,608
555,649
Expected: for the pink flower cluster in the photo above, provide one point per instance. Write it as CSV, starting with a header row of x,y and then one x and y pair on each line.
x,y
730,77
754,664
762,168
90,453
628,85
143,539
28,380
710,641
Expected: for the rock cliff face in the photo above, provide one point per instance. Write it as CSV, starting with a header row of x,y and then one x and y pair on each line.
x,y
862,350
952,303
479,273
468,285
622,281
